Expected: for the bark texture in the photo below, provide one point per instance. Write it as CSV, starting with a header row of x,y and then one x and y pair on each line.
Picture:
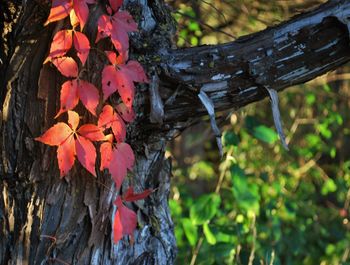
x,y
48,220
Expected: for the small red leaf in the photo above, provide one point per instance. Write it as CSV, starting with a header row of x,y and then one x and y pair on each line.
x,y
124,20
91,132
120,38
109,81
56,135
112,57
66,155
81,45
106,155
69,96
88,95
130,196
61,43
128,154
104,27
59,10
73,120
125,222
119,129
67,66
126,113
126,88
115,4
135,71
117,168
109,118
86,154
82,10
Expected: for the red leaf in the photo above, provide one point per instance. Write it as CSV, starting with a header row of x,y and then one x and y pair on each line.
x,y
91,132
82,10
61,43
109,118
126,113
73,119
117,27
109,81
106,155
88,95
63,135
112,57
135,71
74,20
120,38
115,4
128,154
67,66
131,196
104,27
125,222
124,20
66,155
86,153
69,96
81,45
56,135
126,88
117,168
59,10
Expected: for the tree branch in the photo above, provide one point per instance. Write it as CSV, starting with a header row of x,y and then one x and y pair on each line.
x,y
235,74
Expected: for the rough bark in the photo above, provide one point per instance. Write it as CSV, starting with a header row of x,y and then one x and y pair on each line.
x,y
45,219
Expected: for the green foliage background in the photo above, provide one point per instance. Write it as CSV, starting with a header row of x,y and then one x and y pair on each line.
x,y
260,204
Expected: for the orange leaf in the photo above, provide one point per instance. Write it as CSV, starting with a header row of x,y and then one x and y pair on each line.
x,y
81,45
67,66
66,155
91,132
61,43
88,95
69,96
73,119
59,10
86,153
56,135
109,118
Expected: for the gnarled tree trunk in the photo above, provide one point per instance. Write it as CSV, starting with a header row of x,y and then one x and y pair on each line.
x,y
45,219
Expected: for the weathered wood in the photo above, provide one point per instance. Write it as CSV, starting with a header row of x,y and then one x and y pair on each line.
x,y
234,74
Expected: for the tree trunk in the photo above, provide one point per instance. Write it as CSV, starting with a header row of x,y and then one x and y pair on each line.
x,y
45,219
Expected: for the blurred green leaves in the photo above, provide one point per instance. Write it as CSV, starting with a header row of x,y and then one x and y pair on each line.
x,y
297,202
204,208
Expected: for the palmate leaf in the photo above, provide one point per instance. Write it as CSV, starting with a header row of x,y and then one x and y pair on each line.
x,y
63,41
121,77
62,135
73,90
118,159
117,28
125,221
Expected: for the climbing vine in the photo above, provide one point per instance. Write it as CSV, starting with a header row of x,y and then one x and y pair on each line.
x,y
117,77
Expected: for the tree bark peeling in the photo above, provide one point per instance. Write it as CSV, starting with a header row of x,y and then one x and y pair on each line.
x,y
233,74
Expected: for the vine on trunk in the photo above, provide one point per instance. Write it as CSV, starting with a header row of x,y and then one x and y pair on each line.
x,y
116,155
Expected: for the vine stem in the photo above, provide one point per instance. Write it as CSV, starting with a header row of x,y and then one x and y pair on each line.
x,y
217,191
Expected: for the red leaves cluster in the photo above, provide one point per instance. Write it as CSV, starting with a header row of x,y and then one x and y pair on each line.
x,y
116,156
